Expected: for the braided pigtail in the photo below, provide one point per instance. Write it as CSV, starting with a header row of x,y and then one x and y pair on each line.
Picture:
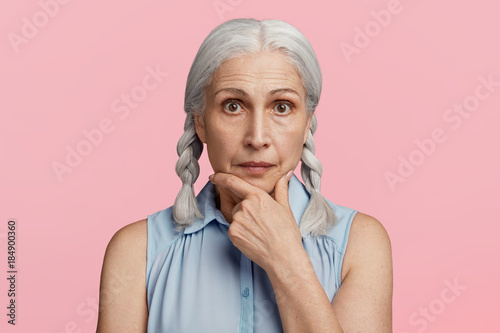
x,y
319,216
189,149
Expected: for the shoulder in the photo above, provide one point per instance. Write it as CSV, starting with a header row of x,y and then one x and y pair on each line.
x,y
162,230
126,251
127,248
364,299
129,239
122,296
368,243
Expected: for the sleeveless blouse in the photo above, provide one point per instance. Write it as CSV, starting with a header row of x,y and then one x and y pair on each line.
x,y
198,281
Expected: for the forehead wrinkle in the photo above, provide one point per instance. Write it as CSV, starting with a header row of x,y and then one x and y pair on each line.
x,y
255,76
283,83
245,77
265,74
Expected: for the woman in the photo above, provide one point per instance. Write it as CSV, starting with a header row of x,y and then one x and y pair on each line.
x,y
255,251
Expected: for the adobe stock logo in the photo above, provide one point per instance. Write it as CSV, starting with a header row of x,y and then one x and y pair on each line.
x,y
87,311
222,6
30,28
122,107
364,36
430,312
455,116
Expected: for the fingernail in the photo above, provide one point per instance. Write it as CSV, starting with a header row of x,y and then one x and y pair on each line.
x,y
289,175
211,177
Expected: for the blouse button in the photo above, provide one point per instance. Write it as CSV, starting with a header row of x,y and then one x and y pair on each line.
x,y
245,293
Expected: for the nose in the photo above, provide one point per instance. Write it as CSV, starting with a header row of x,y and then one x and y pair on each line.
x,y
258,131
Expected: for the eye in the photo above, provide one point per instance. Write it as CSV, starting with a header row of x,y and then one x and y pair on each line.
x,y
232,106
283,107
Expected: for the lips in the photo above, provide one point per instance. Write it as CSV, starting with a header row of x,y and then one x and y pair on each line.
x,y
256,168
256,164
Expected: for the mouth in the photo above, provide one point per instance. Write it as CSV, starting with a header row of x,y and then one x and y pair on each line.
x,y
256,168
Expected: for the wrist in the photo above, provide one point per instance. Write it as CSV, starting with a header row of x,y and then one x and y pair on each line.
x,y
291,267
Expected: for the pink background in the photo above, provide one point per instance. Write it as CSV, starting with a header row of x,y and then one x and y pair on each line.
x,y
396,89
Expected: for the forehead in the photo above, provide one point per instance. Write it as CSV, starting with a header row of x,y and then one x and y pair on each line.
x,y
270,69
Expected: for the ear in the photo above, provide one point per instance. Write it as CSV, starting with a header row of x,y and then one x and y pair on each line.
x,y
308,126
199,124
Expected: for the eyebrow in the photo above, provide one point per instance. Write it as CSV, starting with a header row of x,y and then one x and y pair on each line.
x,y
241,92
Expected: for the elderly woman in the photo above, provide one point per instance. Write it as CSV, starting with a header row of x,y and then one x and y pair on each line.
x,y
256,250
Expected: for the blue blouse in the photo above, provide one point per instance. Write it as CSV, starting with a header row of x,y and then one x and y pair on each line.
x,y
198,281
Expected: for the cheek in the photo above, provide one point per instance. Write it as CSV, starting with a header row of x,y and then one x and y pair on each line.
x,y
290,148
223,137
221,147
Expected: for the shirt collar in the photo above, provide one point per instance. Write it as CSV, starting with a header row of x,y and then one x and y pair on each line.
x,y
298,197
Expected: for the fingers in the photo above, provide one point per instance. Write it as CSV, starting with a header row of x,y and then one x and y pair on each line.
x,y
233,183
281,189
242,189
236,208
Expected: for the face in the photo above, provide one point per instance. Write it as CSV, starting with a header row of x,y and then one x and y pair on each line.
x,y
255,122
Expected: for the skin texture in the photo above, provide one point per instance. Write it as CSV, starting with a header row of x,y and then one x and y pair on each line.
x,y
255,126
122,295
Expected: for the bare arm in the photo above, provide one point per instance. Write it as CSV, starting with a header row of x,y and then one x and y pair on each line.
x,y
302,302
363,302
122,297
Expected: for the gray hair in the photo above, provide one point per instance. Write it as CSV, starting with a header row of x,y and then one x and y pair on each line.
x,y
229,40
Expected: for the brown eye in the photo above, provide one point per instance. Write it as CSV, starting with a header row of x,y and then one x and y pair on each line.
x,y
282,108
232,107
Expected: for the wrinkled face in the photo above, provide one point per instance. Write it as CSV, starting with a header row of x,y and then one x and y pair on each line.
x,y
255,122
